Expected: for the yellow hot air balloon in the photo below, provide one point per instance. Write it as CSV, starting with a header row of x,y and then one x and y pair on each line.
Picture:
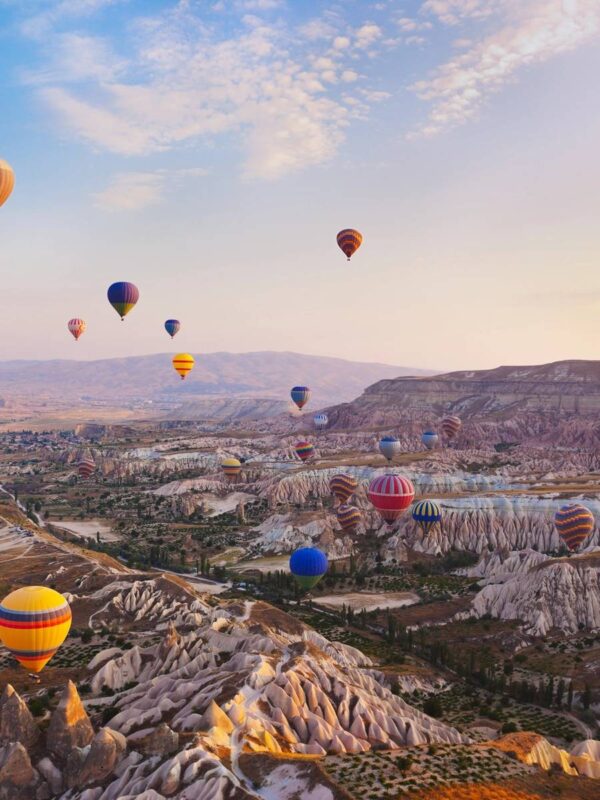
x,y
34,622
183,363
7,181
231,468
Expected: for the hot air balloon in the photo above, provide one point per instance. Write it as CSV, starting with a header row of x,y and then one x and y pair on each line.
x,y
123,296
450,426
321,421
183,363
430,439
231,467
300,395
389,447
348,517
34,622
308,565
390,495
86,466
349,240
304,450
426,514
343,486
574,524
76,327
7,181
172,326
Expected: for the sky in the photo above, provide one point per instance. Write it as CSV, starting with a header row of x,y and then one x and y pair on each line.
x,y
209,152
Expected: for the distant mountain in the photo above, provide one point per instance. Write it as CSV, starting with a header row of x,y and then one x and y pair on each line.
x,y
260,374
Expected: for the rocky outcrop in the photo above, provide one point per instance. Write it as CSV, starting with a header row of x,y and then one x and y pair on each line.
x,y
159,741
18,779
16,721
70,726
99,760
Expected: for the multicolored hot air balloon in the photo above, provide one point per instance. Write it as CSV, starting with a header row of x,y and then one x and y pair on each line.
x,y
86,466
426,514
574,524
183,363
389,447
304,450
34,622
390,495
348,517
343,486
172,326
76,327
308,565
450,426
7,181
300,395
349,240
123,296
321,421
231,467
430,439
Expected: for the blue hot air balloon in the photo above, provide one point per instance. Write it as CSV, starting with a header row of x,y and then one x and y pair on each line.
x,y
321,420
308,565
123,296
389,447
430,439
172,326
426,514
300,395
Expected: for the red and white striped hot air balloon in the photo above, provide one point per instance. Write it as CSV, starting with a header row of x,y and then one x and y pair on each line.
x,y
76,327
450,426
86,467
390,496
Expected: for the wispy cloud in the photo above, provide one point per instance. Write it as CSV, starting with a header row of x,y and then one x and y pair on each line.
x,y
527,33
133,191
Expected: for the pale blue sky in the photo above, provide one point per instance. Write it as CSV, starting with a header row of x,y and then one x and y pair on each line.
x,y
210,151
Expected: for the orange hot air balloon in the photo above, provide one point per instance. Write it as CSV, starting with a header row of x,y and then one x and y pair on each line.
x,y
76,327
349,240
7,181
183,363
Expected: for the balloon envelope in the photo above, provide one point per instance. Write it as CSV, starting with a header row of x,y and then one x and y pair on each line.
x,y
321,420
389,447
430,439
183,363
343,486
172,326
304,450
76,327
574,524
7,181
34,622
231,467
450,426
426,514
348,517
123,296
391,495
349,240
308,565
300,395
86,467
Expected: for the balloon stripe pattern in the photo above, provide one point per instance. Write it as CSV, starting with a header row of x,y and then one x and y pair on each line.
x,y
86,467
349,240
304,450
300,395
231,467
34,622
450,426
389,447
76,327
391,495
574,524
348,517
308,565
172,326
426,514
7,181
321,420
123,296
183,364
343,486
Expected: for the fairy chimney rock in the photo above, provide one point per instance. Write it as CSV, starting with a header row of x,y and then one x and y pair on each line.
x,y
70,725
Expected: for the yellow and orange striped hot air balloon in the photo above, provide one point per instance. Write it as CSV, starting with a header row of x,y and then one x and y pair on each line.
x,y
183,363
7,181
34,622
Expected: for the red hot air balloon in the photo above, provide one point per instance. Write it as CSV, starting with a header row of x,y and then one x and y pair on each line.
x,y
86,467
304,450
391,495
348,517
574,524
76,327
343,486
349,240
450,426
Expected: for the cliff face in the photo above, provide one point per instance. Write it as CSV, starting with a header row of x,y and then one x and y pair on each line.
x,y
525,400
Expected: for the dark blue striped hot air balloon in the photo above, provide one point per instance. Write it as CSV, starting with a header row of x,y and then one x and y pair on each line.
x,y
308,565
172,326
123,296
574,524
426,514
389,447
300,395
430,439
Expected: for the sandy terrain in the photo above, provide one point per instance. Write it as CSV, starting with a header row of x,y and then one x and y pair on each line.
x,y
368,600
87,528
